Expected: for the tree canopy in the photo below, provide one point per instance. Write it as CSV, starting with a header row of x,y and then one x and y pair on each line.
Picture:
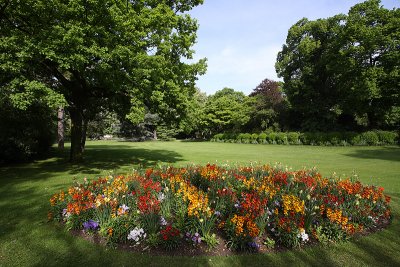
x,y
344,70
91,56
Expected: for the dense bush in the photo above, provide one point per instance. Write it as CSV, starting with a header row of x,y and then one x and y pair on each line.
x,y
371,138
386,137
27,134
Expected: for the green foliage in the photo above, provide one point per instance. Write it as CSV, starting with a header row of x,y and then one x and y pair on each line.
x,y
262,137
226,110
387,138
268,105
342,72
293,138
24,244
104,123
91,56
25,134
372,138
281,138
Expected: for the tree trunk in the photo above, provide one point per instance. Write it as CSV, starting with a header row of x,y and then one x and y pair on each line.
x,y
84,130
155,134
77,135
60,128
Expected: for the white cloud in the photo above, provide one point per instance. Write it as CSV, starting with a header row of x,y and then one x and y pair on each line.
x,y
240,68
241,39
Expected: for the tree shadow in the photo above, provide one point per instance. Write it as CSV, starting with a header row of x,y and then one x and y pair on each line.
x,y
97,159
386,153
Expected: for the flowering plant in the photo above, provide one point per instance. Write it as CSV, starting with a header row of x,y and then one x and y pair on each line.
x,y
137,235
90,225
241,206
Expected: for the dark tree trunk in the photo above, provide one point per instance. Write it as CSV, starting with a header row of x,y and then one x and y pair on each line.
x,y
60,128
84,130
78,134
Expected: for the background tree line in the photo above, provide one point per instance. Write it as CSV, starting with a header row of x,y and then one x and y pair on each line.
x,y
117,69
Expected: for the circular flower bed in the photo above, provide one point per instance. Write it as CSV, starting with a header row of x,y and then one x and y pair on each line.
x,y
255,208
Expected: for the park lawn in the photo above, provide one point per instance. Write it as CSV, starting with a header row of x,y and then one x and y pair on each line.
x,y
27,239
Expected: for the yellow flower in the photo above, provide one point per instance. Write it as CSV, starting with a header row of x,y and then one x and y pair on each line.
x,y
292,203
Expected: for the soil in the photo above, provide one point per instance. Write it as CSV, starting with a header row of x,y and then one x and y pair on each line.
x,y
189,250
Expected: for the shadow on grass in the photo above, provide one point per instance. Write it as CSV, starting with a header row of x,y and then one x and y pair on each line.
x,y
383,153
97,158
24,203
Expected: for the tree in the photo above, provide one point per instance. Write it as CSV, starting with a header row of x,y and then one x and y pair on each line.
x,y
226,110
304,63
93,55
370,50
192,125
25,135
344,70
269,103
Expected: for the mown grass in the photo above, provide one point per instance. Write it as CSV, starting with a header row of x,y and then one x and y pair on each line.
x,y
26,239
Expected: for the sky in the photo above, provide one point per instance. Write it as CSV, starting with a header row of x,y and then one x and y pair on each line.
x,y
241,38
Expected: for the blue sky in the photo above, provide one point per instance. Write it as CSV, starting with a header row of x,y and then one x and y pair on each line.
x,y
241,38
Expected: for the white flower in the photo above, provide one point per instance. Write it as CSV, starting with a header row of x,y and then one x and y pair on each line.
x,y
137,234
163,221
303,235
161,196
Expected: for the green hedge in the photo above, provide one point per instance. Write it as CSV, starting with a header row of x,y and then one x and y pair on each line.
x,y
370,138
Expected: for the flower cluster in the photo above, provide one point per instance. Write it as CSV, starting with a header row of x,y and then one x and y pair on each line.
x,y
195,238
90,225
136,235
169,233
242,205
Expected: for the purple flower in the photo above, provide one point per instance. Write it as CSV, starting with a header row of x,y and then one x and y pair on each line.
x,y
218,213
254,245
91,225
196,238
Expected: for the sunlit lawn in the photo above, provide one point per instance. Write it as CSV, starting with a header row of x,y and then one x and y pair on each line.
x,y
26,239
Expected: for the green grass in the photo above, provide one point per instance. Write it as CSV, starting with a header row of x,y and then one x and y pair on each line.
x,y
26,239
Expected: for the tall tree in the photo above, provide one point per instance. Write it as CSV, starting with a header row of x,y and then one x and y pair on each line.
x,y
344,69
370,52
304,65
91,55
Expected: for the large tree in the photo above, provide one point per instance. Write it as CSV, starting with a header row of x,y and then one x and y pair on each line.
x,y
91,55
304,65
344,70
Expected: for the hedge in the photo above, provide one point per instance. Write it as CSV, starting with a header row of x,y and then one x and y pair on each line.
x,y
369,138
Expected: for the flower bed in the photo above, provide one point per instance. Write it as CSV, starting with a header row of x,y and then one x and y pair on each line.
x,y
245,208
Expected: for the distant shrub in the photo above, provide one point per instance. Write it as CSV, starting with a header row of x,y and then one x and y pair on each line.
x,y
335,138
357,140
281,138
254,136
370,138
387,138
293,138
218,137
271,138
262,137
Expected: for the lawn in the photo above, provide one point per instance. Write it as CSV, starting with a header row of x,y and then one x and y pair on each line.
x,y
26,239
